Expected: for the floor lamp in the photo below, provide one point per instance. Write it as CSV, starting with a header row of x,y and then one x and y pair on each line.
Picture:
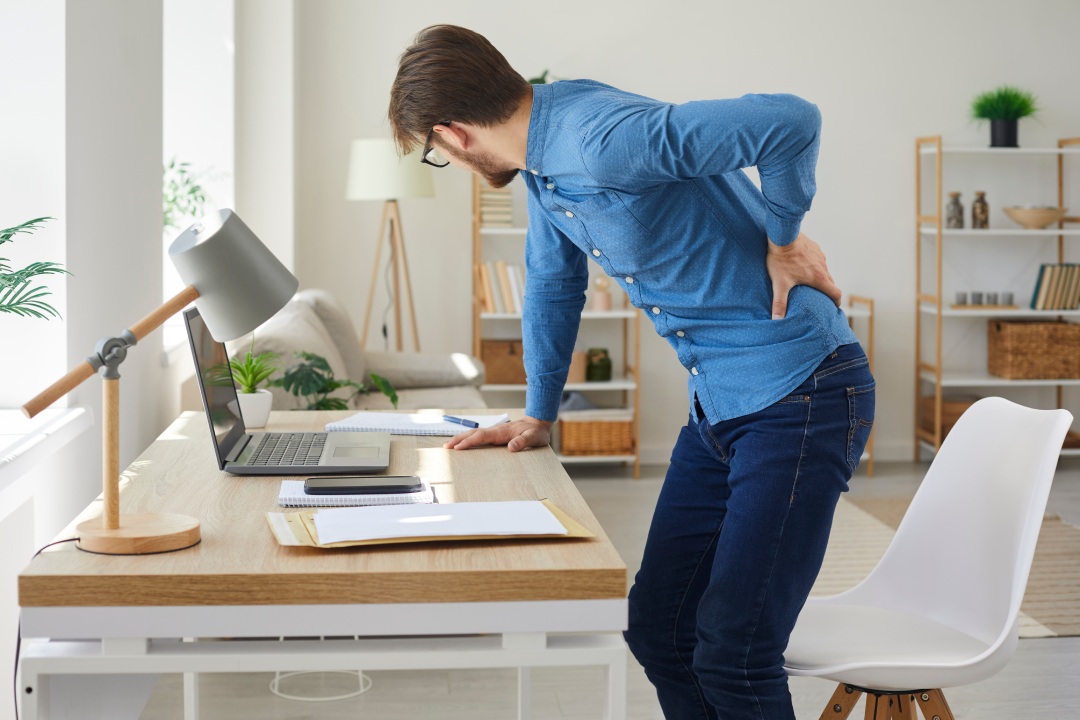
x,y
237,284
377,172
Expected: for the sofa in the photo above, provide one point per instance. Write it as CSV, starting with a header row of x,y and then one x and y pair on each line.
x,y
314,321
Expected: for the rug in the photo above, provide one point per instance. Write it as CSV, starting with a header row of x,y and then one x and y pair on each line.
x,y
864,527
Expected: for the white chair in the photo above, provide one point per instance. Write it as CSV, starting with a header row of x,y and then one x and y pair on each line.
x,y
941,607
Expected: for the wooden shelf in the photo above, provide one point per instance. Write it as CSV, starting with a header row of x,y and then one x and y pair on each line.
x,y
932,301
628,357
1001,232
929,309
975,378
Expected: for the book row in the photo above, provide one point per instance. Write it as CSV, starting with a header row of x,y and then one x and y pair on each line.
x,y
501,286
1057,288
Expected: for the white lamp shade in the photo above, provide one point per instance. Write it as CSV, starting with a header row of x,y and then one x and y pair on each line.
x,y
241,284
376,172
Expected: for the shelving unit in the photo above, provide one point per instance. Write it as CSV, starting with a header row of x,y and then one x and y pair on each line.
x,y
626,379
931,307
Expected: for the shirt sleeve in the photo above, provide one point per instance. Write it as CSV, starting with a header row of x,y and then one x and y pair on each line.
x,y
657,143
556,275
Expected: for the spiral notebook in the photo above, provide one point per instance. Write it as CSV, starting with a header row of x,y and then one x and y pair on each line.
x,y
292,495
411,423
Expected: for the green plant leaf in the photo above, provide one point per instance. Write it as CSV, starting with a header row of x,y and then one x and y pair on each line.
x,y
385,387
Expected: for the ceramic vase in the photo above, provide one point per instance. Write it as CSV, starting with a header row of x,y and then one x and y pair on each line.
x,y
255,407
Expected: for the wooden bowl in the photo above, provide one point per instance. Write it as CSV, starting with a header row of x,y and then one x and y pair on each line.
x,y
1036,218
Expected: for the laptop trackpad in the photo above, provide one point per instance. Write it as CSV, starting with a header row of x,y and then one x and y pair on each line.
x,y
356,451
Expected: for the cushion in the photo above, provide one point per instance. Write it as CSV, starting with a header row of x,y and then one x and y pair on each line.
x,y
340,327
296,328
460,397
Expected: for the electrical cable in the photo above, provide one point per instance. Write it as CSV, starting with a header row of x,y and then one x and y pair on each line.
x,y
18,636
389,303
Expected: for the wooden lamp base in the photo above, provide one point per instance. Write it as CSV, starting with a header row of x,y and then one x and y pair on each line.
x,y
140,534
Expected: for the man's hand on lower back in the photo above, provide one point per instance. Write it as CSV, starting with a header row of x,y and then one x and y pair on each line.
x,y
800,263
517,435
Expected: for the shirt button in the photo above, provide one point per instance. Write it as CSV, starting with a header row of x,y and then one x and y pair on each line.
x,y
680,333
535,172
595,252
629,281
656,311
693,371
551,186
569,214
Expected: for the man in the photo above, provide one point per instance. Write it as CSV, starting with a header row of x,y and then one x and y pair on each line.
x,y
781,398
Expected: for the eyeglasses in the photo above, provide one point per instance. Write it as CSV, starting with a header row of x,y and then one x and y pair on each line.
x,y
431,156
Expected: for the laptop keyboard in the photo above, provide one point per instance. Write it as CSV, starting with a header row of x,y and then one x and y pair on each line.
x,y
289,449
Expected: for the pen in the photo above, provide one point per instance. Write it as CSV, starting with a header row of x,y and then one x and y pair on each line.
x,y
461,421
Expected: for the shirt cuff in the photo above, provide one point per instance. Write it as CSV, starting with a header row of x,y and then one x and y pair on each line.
x,y
542,403
782,232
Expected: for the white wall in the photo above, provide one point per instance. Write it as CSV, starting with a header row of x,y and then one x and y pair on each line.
x,y
882,73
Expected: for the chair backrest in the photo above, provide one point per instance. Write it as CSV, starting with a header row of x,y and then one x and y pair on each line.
x,y
962,553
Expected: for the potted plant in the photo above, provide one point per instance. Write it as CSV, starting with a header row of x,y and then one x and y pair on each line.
x,y
248,373
1003,107
313,379
17,295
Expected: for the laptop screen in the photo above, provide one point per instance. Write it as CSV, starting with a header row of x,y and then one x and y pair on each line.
x,y
216,385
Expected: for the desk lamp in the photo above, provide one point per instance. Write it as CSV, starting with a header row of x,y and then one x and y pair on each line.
x,y
376,172
237,284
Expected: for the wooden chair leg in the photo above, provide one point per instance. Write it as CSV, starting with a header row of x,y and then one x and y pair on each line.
x,y
903,707
877,707
933,705
842,702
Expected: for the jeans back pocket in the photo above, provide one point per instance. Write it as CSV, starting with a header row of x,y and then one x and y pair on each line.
x,y
862,400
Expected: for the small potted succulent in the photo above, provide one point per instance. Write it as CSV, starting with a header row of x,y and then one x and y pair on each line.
x,y
248,373
1003,107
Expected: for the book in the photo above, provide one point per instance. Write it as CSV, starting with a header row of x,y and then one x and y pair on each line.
x,y
1039,301
422,423
509,304
485,283
1054,290
292,494
496,292
517,287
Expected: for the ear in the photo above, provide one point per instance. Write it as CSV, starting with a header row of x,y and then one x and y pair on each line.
x,y
457,135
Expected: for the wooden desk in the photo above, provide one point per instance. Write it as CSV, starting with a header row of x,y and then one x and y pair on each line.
x,y
121,615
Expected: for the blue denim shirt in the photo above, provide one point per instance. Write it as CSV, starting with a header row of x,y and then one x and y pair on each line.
x,y
655,194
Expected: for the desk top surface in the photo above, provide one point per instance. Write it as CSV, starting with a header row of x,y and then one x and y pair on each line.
x,y
238,561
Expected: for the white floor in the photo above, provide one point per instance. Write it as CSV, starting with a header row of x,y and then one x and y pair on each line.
x,y
1039,683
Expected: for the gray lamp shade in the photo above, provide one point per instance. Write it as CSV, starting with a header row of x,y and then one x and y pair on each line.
x,y
240,282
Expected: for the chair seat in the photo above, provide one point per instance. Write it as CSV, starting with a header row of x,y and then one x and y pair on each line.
x,y
881,649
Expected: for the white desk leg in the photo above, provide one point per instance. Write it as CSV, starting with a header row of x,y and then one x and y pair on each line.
x,y
191,696
524,694
191,692
616,702
524,641
34,695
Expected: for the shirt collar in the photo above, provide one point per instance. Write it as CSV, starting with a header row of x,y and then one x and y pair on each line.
x,y
538,122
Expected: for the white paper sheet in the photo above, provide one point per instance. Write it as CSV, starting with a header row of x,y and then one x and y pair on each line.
x,y
518,517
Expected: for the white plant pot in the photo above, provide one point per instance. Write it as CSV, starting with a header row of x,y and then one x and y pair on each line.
x,y
255,407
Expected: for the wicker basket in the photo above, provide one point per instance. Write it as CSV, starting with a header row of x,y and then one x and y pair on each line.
x,y
951,410
597,432
1033,349
502,362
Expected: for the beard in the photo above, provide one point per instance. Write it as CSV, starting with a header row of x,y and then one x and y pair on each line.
x,y
483,165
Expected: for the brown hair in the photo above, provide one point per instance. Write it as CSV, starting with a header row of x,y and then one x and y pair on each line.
x,y
451,73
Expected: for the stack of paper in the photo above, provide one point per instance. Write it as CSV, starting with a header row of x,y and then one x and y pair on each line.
x,y
411,423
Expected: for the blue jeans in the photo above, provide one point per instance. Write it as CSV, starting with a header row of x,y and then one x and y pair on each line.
x,y
736,542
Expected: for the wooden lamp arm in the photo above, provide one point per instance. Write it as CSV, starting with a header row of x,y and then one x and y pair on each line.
x,y
85,370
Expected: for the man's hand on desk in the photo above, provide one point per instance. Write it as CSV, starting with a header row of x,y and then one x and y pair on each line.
x,y
517,435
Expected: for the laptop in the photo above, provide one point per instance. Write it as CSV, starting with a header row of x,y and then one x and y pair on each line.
x,y
242,453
